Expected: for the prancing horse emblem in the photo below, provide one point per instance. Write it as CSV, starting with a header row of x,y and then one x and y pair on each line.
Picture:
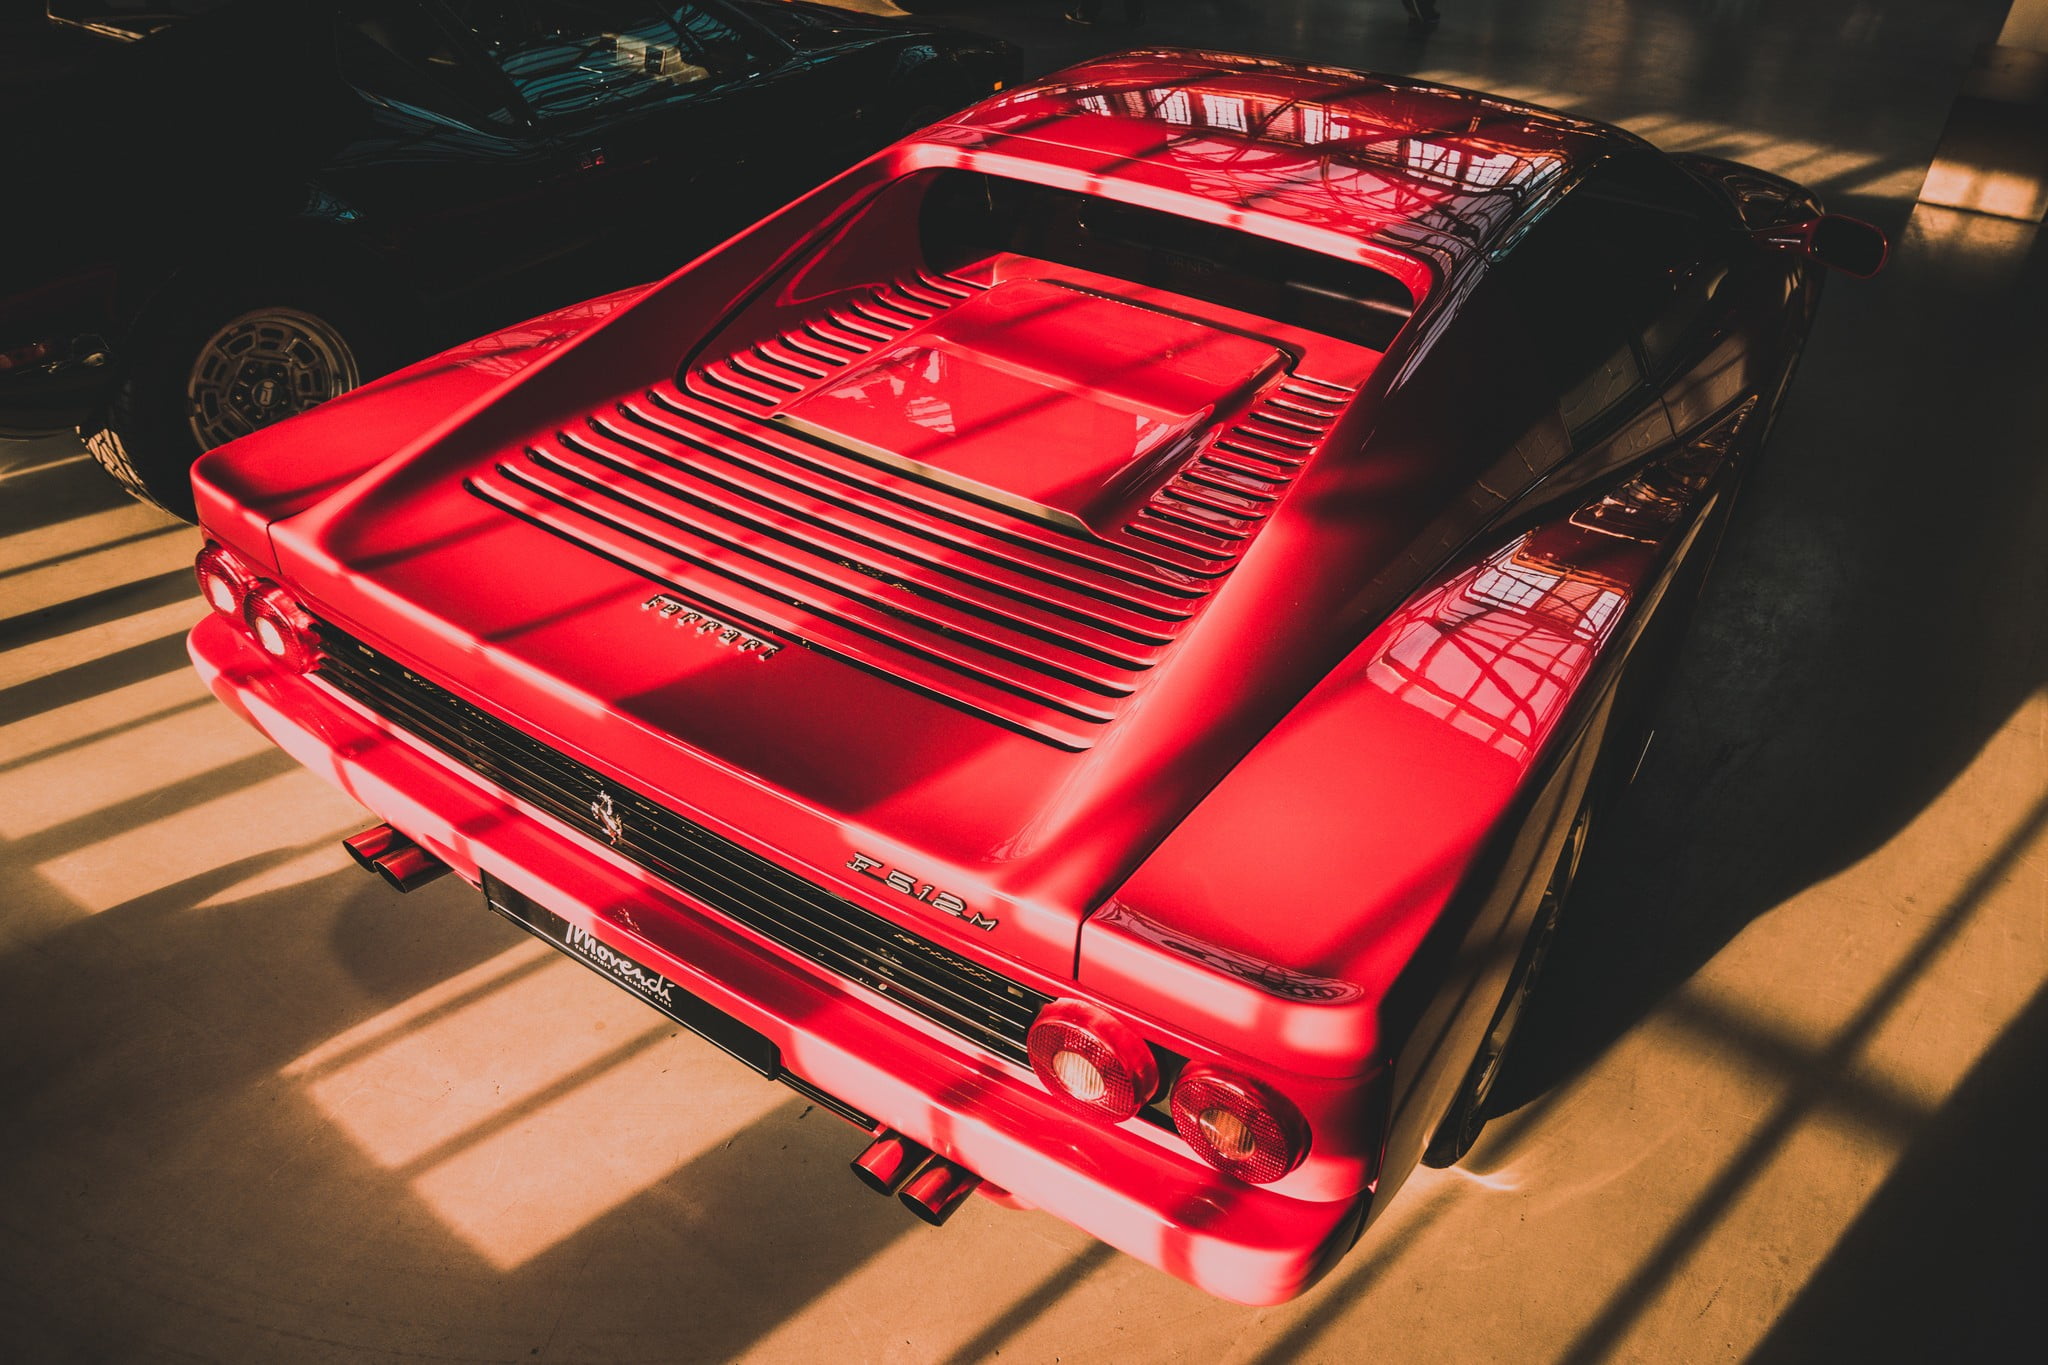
x,y
607,816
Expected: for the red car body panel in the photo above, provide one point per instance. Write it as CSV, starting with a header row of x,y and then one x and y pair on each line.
x,y
1319,170
1135,1194
1213,668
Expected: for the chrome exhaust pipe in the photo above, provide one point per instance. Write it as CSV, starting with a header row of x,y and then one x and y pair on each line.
x,y
889,1161
410,867
937,1190
373,843
403,864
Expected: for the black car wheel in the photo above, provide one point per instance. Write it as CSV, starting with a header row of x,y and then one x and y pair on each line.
x,y
1468,1113
213,365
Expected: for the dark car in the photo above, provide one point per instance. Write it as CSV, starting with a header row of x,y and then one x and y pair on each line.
x,y
236,210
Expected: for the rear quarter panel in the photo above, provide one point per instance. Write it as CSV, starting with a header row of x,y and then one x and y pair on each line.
x,y
1391,838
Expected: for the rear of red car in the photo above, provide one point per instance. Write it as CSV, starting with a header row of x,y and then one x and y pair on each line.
x,y
902,645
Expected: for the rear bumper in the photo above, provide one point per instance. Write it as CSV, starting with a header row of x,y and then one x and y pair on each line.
x,y
1235,1241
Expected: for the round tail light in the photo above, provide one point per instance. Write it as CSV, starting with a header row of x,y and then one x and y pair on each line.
x,y
222,580
1092,1061
1238,1125
281,627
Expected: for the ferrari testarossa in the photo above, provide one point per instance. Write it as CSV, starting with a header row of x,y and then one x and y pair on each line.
x,y
1090,645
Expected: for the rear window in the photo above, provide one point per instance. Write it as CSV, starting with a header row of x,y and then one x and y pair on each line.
x,y
968,214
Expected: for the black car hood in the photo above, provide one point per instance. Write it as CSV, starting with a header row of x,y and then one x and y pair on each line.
x,y
811,26
789,18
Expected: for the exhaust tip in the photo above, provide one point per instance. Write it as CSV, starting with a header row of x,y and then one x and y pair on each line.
x,y
403,864
888,1162
937,1190
409,867
373,843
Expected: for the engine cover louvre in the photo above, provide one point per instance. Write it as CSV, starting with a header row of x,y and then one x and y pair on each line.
x,y
1048,628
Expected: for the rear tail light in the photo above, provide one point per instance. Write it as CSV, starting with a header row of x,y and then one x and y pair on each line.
x,y
1238,1125
1092,1061
281,626
223,582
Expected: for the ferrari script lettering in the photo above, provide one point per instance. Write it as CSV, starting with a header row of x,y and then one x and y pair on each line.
x,y
896,879
710,627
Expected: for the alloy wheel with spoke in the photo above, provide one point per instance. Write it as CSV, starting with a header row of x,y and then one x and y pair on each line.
x,y
263,367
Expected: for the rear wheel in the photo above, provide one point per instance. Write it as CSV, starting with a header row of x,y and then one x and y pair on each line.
x,y
1468,1113
210,364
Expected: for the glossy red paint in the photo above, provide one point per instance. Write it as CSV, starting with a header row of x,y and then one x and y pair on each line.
x,y
1155,638
1107,394
1126,1184
1441,718
1342,159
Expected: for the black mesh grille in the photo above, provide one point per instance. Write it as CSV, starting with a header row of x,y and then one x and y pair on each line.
x,y
857,944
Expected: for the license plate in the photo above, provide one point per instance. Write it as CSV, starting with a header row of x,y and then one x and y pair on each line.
x,y
709,1022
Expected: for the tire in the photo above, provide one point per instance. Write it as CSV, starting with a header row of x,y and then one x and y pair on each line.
x,y
212,361
1468,1113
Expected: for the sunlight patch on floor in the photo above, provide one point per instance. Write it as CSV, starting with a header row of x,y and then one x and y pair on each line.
x,y
525,1098
1019,1257
529,1186
185,842
88,531
54,580
1503,1181
1785,1158
37,465
444,995
44,793
1995,190
25,663
100,715
443,1077
324,860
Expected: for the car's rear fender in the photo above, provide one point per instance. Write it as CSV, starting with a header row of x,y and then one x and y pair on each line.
x,y
1393,837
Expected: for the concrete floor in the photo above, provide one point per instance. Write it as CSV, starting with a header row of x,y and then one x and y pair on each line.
x,y
1780,1101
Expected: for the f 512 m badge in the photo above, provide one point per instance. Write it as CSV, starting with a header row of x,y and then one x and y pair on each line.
x,y
898,880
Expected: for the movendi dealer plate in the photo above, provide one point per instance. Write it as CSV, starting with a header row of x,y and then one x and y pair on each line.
x,y
708,1022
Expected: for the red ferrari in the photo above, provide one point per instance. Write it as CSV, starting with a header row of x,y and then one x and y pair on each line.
x,y
1090,645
